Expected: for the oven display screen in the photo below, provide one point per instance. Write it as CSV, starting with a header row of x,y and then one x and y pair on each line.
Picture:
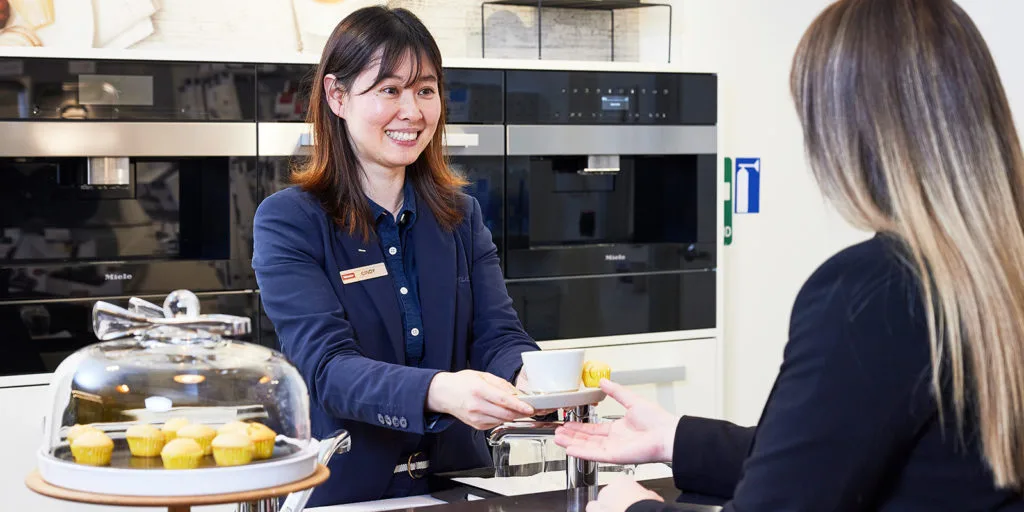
x,y
614,102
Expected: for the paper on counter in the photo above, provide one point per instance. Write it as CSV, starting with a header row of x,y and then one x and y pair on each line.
x,y
390,504
555,480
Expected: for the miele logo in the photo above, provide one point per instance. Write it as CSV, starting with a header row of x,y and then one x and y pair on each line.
x,y
118,277
615,257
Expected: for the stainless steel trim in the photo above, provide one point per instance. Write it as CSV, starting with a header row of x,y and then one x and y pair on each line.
x,y
287,139
159,296
650,375
489,140
525,140
515,280
125,139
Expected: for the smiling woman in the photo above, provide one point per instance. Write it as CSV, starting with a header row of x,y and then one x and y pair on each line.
x,y
380,277
380,105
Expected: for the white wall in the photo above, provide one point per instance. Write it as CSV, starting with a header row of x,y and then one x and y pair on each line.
x,y
750,44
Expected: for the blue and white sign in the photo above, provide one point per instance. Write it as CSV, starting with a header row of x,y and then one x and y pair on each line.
x,y
747,195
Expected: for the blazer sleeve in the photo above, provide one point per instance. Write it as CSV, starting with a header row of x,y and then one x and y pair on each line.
x,y
708,455
498,336
848,403
313,330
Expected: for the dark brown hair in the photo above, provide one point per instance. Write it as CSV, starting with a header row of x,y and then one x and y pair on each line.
x,y
332,173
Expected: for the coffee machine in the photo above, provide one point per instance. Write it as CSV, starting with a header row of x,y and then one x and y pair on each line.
x,y
120,179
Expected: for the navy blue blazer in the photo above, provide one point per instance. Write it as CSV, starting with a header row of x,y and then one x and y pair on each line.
x,y
851,423
346,339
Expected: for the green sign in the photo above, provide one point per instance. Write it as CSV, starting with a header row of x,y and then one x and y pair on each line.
x,y
728,203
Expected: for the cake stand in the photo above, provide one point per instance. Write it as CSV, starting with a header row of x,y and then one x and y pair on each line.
x,y
250,501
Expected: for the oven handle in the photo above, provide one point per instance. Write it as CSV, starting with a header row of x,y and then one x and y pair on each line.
x,y
664,375
565,140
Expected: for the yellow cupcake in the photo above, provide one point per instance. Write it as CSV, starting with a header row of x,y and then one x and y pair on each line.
x,y
144,440
182,453
92,448
170,429
594,371
202,434
78,430
262,438
234,426
232,449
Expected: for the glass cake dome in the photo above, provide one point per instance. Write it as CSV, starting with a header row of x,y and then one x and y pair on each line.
x,y
169,405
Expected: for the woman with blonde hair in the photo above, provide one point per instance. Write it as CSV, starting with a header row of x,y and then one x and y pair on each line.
x,y
902,384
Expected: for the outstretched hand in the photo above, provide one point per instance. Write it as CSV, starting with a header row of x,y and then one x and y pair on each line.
x,y
646,433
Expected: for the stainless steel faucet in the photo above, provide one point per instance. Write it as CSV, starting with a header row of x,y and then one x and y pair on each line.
x,y
578,472
338,442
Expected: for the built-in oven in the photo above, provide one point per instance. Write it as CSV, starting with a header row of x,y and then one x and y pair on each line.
x,y
611,201
474,138
119,179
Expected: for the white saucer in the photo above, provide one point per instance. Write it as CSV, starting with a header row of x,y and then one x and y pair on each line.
x,y
564,400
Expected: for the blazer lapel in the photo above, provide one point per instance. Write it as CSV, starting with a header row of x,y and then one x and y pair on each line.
x,y
381,290
436,267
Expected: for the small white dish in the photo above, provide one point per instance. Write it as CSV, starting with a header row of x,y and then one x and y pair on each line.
x,y
564,400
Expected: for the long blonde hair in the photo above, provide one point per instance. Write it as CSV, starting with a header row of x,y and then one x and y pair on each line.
x,y
908,132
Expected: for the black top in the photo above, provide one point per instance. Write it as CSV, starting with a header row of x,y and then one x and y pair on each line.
x,y
851,423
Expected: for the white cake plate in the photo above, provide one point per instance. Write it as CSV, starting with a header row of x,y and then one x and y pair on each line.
x,y
300,462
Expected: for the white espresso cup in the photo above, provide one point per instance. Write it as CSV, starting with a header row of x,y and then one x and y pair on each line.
x,y
553,371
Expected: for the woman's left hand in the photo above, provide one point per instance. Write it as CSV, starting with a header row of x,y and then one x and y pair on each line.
x,y
621,494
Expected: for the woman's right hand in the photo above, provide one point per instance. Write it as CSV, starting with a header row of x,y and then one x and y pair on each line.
x,y
478,399
645,434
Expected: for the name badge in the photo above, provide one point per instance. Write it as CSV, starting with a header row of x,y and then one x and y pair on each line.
x,y
363,273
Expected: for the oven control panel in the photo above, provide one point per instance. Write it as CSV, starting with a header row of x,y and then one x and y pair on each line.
x,y
586,97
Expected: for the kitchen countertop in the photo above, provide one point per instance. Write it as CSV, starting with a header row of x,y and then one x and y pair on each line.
x,y
574,500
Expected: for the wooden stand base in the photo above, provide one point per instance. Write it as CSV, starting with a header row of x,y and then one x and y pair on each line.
x,y
35,482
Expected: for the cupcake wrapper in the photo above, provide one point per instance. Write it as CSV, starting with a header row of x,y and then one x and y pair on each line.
x,y
169,435
232,456
142,447
92,456
182,461
204,443
264,449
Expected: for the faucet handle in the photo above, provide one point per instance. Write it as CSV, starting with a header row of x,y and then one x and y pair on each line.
x,y
339,442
